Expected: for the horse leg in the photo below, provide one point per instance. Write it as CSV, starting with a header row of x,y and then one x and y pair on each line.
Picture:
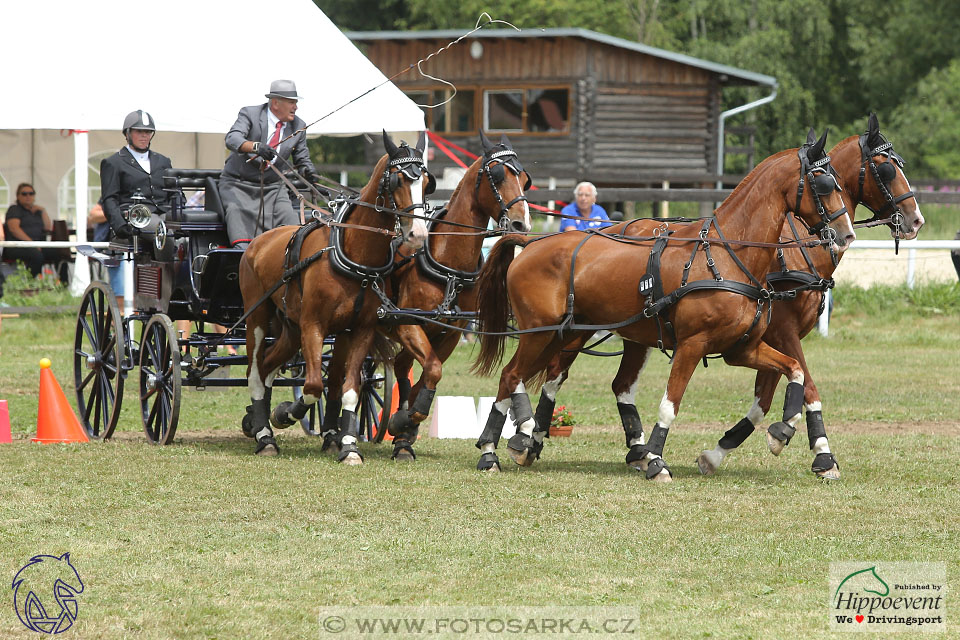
x,y
766,358
286,413
824,463
649,457
766,384
357,345
532,356
624,387
331,413
405,423
402,365
557,372
256,424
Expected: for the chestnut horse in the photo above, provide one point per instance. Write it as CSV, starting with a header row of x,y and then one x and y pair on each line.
x,y
322,300
441,274
871,174
720,311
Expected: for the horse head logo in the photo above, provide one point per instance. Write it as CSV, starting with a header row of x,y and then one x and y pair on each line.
x,y
867,580
45,594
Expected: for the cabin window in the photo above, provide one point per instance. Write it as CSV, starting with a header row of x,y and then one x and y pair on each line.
x,y
503,110
451,116
527,111
547,110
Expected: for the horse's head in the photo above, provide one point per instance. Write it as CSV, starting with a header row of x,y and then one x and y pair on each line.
x,y
501,183
886,192
818,202
404,183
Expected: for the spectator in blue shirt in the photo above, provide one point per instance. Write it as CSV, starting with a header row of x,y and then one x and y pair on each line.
x,y
586,207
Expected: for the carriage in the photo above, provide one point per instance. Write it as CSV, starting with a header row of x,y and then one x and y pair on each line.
x,y
183,269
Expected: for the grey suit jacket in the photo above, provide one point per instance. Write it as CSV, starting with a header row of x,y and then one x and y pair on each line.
x,y
252,125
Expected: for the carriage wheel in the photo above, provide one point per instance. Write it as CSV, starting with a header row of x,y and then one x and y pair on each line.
x,y
98,351
160,380
376,394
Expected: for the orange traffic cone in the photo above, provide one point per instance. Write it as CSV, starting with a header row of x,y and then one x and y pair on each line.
x,y
56,421
5,436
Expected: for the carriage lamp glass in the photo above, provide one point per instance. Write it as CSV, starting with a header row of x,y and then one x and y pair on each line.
x,y
138,216
476,49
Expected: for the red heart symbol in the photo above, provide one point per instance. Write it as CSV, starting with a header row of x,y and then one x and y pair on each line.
x,y
859,618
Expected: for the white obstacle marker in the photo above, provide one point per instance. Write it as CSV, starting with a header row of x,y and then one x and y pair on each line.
x,y
454,417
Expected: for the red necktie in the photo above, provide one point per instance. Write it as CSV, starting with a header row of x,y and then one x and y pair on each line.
x,y
275,140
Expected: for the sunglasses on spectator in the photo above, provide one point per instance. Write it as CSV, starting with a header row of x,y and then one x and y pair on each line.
x,y
28,193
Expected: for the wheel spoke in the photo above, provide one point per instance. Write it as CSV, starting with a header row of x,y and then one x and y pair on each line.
x,y
108,387
86,329
86,381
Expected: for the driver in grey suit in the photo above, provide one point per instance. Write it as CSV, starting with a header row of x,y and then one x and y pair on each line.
x,y
263,132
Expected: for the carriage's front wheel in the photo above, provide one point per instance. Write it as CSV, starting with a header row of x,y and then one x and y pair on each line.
x,y
98,351
376,395
160,380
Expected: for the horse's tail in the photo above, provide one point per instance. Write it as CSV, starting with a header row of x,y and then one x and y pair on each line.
x,y
493,305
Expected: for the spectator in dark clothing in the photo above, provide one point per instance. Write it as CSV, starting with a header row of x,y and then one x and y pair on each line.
x,y
28,221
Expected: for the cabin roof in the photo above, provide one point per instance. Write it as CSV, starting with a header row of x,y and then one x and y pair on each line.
x,y
732,75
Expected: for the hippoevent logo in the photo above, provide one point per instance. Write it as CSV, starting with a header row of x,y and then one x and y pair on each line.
x,y
45,594
888,596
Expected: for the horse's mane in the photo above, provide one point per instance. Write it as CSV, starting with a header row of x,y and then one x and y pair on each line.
x,y
747,182
374,181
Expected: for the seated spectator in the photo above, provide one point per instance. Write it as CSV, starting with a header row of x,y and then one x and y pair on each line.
x,y
27,221
592,215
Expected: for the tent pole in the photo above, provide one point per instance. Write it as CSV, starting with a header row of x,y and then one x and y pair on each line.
x,y
81,150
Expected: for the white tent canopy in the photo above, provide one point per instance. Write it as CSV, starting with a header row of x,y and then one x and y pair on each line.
x,y
192,64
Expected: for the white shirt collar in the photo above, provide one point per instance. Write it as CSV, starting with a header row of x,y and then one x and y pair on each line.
x,y
272,121
143,159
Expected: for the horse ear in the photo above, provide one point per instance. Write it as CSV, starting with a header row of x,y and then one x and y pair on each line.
x,y
422,142
811,136
504,141
487,145
389,146
873,125
816,151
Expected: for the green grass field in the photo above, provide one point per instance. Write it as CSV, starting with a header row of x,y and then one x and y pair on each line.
x,y
203,540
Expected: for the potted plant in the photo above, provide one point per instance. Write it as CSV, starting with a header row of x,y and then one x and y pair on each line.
x,y
562,424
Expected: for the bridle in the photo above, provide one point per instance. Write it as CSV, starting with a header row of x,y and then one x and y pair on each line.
x,y
883,174
492,166
823,179
412,167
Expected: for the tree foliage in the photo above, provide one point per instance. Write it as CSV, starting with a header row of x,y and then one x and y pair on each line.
x,y
835,60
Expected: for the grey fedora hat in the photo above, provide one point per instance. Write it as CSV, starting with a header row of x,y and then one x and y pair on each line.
x,y
283,89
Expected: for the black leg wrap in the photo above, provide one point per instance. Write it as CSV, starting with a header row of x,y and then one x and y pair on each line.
x,y
824,462
299,409
349,426
521,442
402,444
792,400
287,413
781,431
815,428
655,466
488,461
520,408
258,413
658,437
331,414
400,423
630,420
329,440
424,401
403,390
736,435
636,454
544,414
493,428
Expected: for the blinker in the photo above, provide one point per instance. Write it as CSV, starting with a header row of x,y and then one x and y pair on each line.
x,y
886,171
825,183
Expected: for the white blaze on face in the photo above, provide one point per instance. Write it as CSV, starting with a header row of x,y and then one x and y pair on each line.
x,y
527,225
919,221
418,227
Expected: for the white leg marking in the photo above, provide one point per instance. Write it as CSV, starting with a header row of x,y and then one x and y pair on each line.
x,y
488,448
309,399
668,413
551,387
253,380
756,414
349,401
504,405
629,396
263,432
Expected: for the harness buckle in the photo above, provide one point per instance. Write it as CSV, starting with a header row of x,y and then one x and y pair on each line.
x,y
711,263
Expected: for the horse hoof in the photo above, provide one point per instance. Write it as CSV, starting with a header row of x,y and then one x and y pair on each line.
x,y
268,451
829,474
247,425
352,459
523,458
663,477
775,446
489,462
404,456
520,447
707,463
280,416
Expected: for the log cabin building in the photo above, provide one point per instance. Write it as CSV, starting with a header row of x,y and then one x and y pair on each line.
x,y
576,104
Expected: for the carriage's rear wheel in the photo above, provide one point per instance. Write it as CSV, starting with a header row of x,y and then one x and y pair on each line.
x,y
160,380
376,394
98,351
